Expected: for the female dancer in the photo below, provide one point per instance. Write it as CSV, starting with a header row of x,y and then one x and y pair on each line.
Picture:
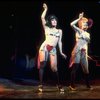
x,y
53,36
80,52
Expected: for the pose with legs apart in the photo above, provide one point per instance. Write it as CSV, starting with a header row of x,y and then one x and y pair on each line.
x,y
53,36
79,54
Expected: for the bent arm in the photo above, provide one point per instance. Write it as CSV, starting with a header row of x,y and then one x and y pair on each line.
x,y
73,24
60,42
60,45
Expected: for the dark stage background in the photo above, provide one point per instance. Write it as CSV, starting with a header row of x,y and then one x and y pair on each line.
x,y
22,34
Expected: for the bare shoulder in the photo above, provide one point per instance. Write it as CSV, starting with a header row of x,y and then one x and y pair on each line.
x,y
88,33
46,27
60,31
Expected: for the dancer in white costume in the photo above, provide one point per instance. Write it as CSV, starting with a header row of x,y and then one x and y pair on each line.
x,y
80,52
53,36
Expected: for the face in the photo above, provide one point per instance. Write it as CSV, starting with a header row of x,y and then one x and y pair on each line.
x,y
84,25
54,22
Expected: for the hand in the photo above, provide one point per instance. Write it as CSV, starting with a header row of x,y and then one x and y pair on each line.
x,y
64,55
81,15
45,6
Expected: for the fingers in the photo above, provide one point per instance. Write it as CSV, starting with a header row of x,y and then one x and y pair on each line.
x,y
65,56
44,5
82,13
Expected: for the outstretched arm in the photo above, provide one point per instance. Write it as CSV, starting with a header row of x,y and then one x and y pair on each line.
x,y
73,24
44,14
60,45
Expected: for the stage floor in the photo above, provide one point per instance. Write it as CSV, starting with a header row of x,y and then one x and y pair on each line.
x,y
25,90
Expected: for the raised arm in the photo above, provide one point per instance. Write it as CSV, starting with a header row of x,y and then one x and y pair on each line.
x,y
73,24
44,14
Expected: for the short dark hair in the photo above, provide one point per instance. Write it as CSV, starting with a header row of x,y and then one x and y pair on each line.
x,y
48,20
